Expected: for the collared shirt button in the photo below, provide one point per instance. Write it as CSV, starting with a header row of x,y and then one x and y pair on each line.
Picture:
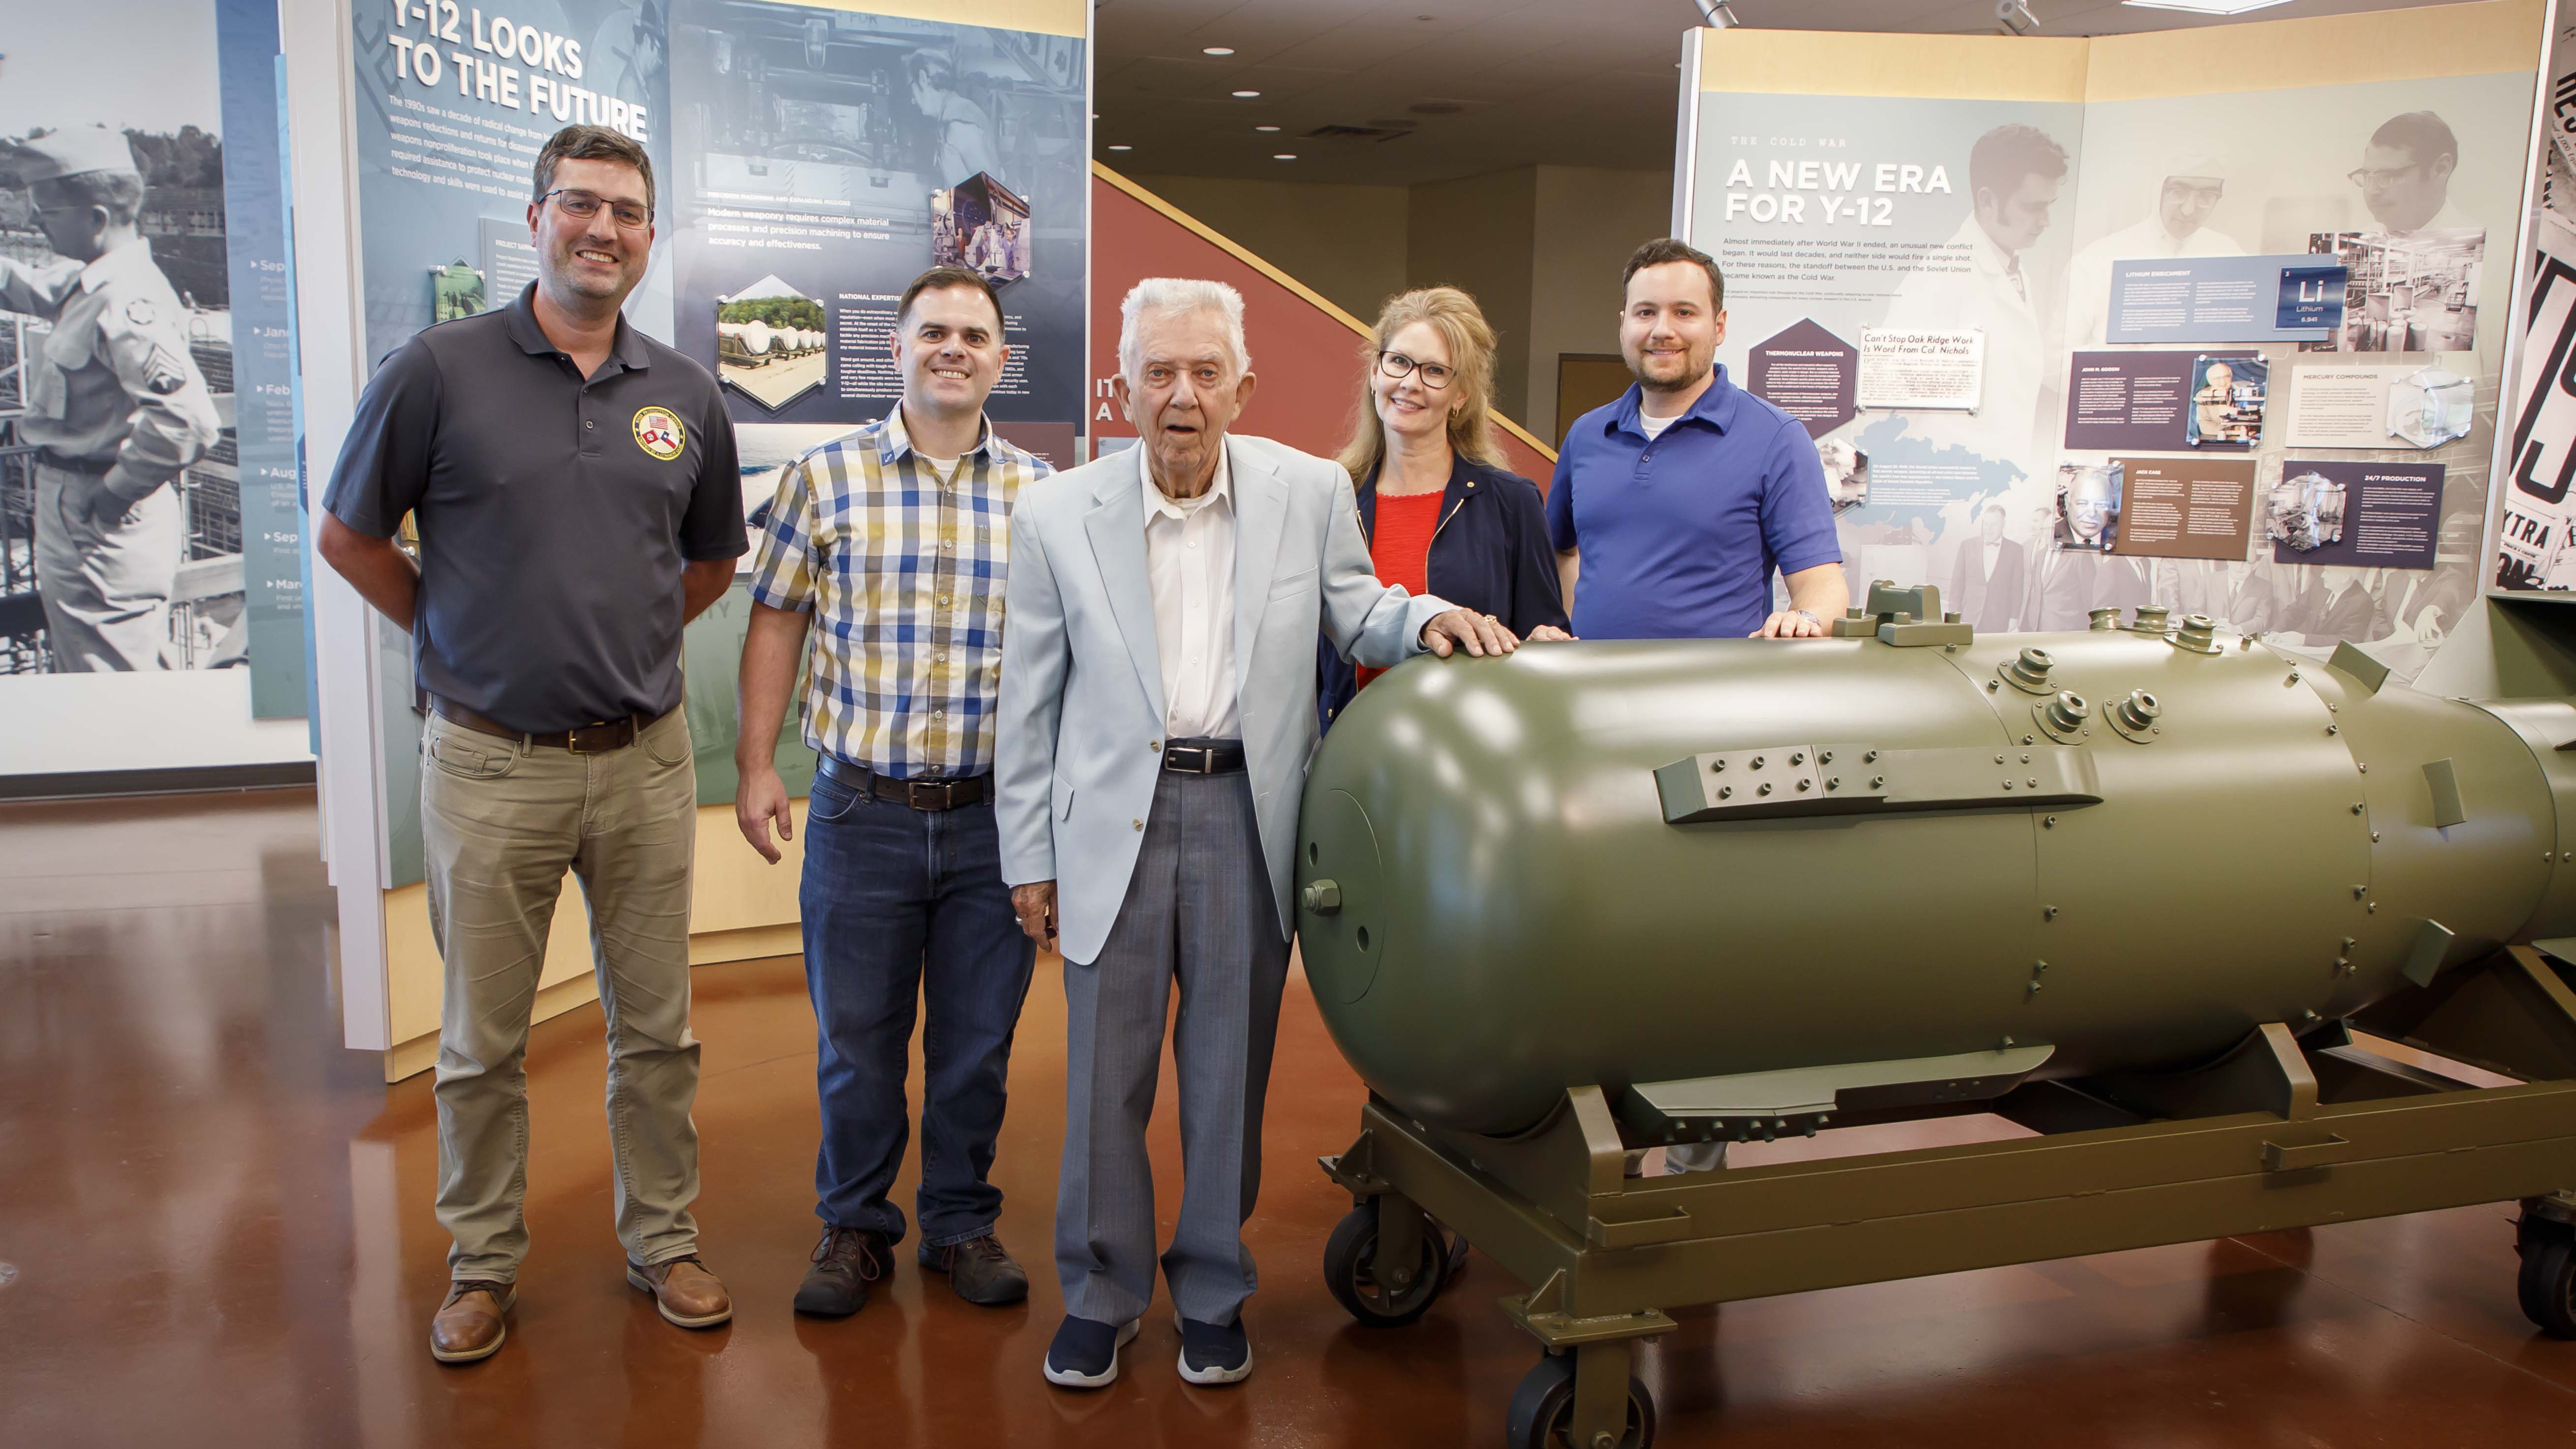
x,y
585,422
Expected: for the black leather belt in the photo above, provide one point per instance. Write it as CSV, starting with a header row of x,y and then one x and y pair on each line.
x,y
1203,757
93,467
591,739
943,794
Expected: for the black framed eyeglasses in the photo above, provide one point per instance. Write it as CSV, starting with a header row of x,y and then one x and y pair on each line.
x,y
1435,375
583,205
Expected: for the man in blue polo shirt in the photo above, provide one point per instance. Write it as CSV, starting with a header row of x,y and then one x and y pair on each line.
x,y
1674,504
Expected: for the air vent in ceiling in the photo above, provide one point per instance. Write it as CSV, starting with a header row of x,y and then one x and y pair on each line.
x,y
1358,133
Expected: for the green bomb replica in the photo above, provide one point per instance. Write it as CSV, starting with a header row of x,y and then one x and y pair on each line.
x,y
2250,942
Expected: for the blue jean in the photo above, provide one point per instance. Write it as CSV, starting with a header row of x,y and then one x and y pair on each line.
x,y
903,905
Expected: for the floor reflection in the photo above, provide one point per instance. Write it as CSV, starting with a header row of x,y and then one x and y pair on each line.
x,y
222,1228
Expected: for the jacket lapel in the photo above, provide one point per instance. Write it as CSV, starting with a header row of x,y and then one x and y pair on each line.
x,y
1116,523
1260,517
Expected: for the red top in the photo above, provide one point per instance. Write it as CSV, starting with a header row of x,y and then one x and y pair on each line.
x,y
1401,551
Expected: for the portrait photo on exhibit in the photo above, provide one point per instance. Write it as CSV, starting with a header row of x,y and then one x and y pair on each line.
x,y
120,490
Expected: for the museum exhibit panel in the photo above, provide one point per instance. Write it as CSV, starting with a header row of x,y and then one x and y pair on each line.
x,y
806,168
2173,842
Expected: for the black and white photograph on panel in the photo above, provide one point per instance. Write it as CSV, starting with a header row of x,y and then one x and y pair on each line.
x,y
120,494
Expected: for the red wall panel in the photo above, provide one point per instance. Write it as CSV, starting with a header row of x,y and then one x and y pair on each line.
x,y
1305,352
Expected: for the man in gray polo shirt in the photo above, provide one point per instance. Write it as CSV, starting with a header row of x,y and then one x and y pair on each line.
x,y
577,499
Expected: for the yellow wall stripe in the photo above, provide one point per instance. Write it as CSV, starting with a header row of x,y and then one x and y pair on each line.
x,y
2482,38
1924,67
2271,55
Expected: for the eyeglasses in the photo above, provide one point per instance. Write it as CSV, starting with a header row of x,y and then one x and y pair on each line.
x,y
1435,375
2366,178
2185,191
582,206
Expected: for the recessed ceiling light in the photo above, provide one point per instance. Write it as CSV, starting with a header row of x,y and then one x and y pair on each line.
x,y
1122,148
1285,156
1265,128
2206,7
1246,95
1218,50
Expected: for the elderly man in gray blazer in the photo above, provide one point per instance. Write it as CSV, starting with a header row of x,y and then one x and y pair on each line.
x,y
1157,713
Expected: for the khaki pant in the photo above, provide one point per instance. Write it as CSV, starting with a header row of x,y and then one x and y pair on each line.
x,y
501,822
107,590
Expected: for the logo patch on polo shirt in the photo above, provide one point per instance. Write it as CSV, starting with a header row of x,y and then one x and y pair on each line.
x,y
659,431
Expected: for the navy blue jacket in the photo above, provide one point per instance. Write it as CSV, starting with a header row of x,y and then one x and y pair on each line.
x,y
1489,553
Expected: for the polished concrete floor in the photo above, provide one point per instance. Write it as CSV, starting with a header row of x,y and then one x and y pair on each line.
x,y
215,1230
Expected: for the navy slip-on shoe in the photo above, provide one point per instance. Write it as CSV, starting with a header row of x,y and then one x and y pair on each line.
x,y
1085,1354
1215,1353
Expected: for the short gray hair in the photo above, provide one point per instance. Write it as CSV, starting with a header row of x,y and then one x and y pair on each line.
x,y
1180,294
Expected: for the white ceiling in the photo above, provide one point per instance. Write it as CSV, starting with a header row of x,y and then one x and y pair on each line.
x,y
1546,82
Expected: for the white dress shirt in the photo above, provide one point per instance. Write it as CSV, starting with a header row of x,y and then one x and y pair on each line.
x,y
1189,556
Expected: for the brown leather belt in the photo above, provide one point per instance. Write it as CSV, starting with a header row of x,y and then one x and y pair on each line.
x,y
597,738
945,794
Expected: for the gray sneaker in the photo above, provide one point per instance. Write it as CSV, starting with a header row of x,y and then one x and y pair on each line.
x,y
1085,1353
1215,1353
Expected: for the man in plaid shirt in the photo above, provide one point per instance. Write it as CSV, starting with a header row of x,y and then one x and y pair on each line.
x,y
897,539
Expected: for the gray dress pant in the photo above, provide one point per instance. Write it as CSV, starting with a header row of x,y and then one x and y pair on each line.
x,y
1199,911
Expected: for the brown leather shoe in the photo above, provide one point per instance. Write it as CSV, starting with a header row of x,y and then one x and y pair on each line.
x,y
470,1325
981,1271
684,1290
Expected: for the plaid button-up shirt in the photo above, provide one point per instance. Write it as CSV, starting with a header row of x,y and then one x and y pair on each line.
x,y
904,573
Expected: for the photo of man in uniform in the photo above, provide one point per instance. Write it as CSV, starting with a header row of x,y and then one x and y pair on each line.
x,y
115,404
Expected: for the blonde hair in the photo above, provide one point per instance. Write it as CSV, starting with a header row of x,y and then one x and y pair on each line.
x,y
1455,316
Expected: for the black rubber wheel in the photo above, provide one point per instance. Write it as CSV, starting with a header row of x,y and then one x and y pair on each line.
x,y
1543,1409
2547,1284
1351,1271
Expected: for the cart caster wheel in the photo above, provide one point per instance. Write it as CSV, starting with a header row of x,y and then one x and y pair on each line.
x,y
1543,1408
2547,1284
1352,1275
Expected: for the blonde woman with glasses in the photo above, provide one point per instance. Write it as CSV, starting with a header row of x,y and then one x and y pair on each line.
x,y
1442,514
